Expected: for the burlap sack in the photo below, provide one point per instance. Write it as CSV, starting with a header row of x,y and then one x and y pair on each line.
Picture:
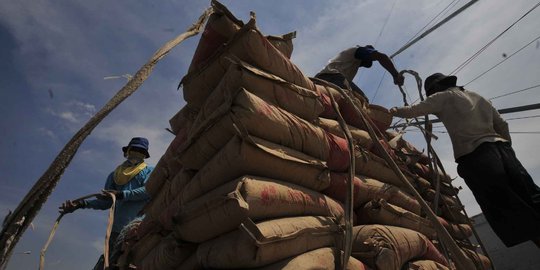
x,y
221,26
458,231
154,208
380,116
248,45
367,189
360,137
167,255
381,212
453,214
283,43
252,197
157,178
172,205
322,258
388,248
480,261
297,100
425,265
258,118
268,242
181,122
452,202
406,147
254,156
370,165
140,249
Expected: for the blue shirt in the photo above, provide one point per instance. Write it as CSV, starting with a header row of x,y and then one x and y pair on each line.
x,y
135,198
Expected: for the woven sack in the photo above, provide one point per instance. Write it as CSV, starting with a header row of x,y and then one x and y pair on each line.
x,y
367,189
248,45
323,258
167,255
251,197
254,156
381,212
260,244
389,248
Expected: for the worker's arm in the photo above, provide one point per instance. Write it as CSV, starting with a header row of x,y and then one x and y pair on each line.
x,y
102,202
138,194
387,64
500,126
431,105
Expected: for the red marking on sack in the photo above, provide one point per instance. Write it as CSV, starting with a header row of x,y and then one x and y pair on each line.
x,y
339,156
268,195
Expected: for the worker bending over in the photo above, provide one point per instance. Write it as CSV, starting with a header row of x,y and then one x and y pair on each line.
x,y
127,183
506,193
341,69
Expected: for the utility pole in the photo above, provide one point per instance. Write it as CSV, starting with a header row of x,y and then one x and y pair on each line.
x,y
434,27
501,111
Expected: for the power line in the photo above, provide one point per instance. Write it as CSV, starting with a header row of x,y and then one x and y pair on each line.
x,y
483,73
470,59
433,19
514,92
523,117
385,22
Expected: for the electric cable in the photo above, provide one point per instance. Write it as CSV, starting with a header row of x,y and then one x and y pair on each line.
x,y
470,59
515,92
496,65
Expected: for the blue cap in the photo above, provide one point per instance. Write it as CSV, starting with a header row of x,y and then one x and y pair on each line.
x,y
140,143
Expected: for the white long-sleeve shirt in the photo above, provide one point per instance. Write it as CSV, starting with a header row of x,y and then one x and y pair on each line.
x,y
469,118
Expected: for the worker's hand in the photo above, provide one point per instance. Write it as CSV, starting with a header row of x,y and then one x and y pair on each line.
x,y
117,193
393,110
70,206
399,79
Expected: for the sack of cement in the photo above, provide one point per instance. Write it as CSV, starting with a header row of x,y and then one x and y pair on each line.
x,y
256,245
253,197
424,265
157,178
366,189
388,248
283,43
378,211
167,255
458,231
253,115
173,205
141,248
248,45
360,137
323,258
254,156
304,103
480,261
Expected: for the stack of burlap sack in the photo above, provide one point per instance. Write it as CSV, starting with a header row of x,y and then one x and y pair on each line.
x,y
256,175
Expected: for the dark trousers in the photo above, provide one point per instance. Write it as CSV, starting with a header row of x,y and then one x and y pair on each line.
x,y
340,80
101,261
506,193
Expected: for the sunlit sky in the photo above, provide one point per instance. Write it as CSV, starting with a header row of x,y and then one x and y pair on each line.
x,y
56,54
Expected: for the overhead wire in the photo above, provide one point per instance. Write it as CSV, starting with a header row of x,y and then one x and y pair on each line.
x,y
515,92
476,54
500,62
377,40
432,20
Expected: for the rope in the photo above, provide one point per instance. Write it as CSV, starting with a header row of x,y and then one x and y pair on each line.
x,y
349,209
57,222
17,223
461,261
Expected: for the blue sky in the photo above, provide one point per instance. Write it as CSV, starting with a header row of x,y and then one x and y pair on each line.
x,y
55,55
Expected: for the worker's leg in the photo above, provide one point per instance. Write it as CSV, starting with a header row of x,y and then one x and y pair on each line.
x,y
512,219
340,80
521,182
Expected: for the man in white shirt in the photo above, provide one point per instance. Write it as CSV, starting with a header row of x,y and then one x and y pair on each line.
x,y
341,69
506,193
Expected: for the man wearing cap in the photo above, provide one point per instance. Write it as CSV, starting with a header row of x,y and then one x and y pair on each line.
x,y
126,182
341,69
506,193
